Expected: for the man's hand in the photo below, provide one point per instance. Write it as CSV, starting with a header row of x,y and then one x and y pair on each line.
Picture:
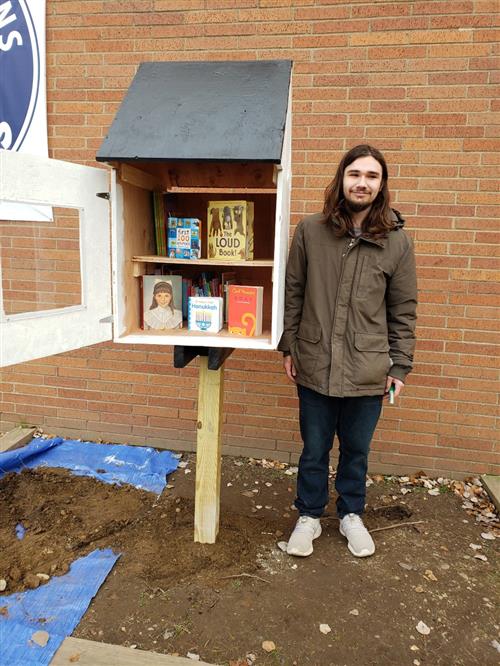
x,y
289,368
398,386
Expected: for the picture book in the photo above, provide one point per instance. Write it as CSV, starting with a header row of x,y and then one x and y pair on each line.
x,y
186,292
230,230
184,237
227,278
161,300
205,314
245,310
159,221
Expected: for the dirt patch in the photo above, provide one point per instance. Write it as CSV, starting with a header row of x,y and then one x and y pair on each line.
x,y
168,594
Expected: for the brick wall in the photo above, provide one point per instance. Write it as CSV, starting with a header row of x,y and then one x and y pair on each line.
x,y
416,79
41,263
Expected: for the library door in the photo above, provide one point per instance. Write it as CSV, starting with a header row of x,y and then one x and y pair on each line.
x,y
55,278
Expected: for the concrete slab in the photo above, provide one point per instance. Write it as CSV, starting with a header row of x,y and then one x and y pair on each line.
x,y
91,653
16,438
492,485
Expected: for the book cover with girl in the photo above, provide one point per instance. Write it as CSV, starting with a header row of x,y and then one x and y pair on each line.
x,y
162,302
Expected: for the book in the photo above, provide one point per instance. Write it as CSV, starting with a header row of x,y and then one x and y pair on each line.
x,y
159,220
226,278
186,291
205,314
230,230
245,310
206,284
161,302
184,237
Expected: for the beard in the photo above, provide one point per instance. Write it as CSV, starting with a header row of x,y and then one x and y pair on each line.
x,y
357,206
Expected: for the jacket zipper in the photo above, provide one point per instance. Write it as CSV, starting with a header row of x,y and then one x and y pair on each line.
x,y
348,248
351,243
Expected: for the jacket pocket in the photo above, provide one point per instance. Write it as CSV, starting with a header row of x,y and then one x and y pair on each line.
x,y
307,348
371,342
371,278
371,360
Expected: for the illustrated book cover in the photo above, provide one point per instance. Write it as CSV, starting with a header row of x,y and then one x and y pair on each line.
x,y
230,230
184,237
205,314
161,302
245,310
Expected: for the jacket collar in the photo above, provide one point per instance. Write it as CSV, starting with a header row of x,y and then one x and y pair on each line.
x,y
399,224
374,241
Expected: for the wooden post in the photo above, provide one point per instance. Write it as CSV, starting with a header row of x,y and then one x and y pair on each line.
x,y
208,453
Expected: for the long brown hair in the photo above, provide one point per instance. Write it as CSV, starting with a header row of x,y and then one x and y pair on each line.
x,y
379,220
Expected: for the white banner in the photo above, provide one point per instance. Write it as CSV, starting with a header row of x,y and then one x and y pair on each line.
x,y
23,106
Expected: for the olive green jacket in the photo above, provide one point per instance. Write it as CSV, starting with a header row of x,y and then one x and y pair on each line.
x,y
350,309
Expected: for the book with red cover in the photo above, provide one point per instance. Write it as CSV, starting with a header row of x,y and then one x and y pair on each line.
x,y
245,310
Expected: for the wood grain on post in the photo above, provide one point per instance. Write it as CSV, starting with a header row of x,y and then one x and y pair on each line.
x,y
208,453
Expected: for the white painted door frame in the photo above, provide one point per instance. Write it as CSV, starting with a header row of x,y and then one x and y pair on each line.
x,y
38,180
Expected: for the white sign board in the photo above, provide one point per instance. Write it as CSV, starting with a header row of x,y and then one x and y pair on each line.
x,y
23,106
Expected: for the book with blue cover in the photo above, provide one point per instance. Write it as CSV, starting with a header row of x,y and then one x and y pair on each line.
x,y
183,237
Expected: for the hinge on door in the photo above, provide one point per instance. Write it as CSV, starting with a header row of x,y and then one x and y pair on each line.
x,y
103,195
106,320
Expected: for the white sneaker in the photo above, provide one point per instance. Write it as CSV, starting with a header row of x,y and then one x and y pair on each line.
x,y
358,538
301,540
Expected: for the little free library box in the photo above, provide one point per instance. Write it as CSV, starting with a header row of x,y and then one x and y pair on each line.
x,y
198,133
185,135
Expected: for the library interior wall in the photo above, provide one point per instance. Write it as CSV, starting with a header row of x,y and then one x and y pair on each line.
x,y
417,79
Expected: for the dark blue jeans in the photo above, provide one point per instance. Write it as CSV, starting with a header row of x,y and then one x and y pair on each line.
x,y
354,421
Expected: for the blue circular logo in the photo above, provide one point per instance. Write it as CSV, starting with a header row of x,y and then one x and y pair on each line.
x,y
19,72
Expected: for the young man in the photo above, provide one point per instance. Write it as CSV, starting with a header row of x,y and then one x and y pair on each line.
x,y
349,337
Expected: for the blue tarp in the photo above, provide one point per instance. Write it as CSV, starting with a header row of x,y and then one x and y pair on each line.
x,y
56,607
140,466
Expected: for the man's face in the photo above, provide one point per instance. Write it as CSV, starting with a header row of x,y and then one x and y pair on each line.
x,y
362,182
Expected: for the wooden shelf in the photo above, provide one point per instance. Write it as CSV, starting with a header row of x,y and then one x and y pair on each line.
x,y
220,190
154,259
182,336
185,332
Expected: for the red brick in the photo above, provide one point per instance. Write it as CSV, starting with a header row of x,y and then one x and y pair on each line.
x,y
428,98
446,7
461,22
487,352
434,428
413,23
468,419
490,263
444,131
377,10
412,37
458,50
455,211
472,442
377,66
322,13
487,36
400,52
327,45
437,64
